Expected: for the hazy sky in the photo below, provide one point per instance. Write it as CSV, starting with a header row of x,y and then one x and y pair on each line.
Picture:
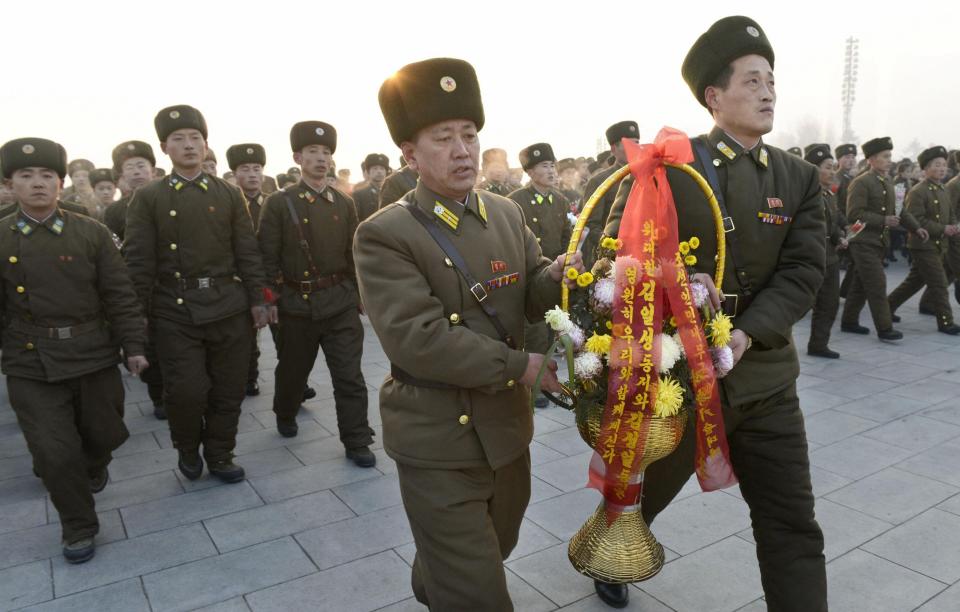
x,y
92,74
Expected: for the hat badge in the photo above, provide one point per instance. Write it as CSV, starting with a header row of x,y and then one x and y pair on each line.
x,y
819,153
249,150
448,84
27,149
319,131
131,147
174,114
536,153
633,128
752,31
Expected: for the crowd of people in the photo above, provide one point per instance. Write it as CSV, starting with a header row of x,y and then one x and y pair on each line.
x,y
177,275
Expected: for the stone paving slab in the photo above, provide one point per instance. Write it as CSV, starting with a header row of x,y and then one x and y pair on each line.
x,y
309,530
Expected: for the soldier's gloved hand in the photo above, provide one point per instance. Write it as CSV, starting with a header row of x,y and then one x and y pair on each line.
x,y
707,282
925,235
260,316
558,271
891,221
549,381
137,364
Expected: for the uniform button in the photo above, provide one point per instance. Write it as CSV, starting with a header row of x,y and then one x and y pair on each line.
x,y
173,246
176,275
511,384
29,346
13,259
306,220
21,289
305,296
173,213
306,273
539,240
179,300
464,419
535,220
455,318
446,260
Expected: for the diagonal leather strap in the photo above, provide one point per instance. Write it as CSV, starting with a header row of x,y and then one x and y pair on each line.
x,y
729,228
476,289
304,245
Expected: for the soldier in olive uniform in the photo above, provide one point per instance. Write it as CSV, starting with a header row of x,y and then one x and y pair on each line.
x,y
545,211
194,260
775,261
455,408
795,151
598,216
846,155
375,167
871,200
569,182
306,236
397,185
80,192
496,173
246,161
828,296
68,307
104,188
929,203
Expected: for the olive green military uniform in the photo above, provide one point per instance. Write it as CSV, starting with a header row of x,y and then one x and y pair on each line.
x,y
115,217
367,201
318,302
843,186
951,261
455,418
599,214
827,302
501,189
871,198
776,206
254,208
194,260
458,428
398,184
68,307
929,203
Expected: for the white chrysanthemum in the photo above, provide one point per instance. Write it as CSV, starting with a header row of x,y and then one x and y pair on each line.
x,y
676,338
699,293
577,337
722,360
670,352
558,320
587,365
603,291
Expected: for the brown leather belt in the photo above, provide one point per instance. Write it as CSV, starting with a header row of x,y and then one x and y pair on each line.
x,y
57,333
316,284
408,379
205,282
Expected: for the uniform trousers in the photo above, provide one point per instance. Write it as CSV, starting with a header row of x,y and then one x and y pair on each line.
x,y
869,286
926,269
825,307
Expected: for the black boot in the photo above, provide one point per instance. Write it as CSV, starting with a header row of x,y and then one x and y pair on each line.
x,y
190,463
889,334
951,329
159,411
362,456
98,482
226,470
823,352
80,551
614,595
253,388
287,428
854,329
309,393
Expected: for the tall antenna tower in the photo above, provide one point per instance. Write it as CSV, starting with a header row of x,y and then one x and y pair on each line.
x,y
848,93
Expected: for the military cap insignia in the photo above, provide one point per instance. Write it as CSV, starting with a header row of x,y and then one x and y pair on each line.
x,y
536,153
174,114
27,149
249,150
131,147
633,128
319,131
448,84
752,31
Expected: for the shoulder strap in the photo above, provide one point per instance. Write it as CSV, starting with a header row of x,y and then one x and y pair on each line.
x,y
476,289
729,227
304,245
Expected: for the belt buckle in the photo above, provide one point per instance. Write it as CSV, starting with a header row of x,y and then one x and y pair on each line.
x,y
736,304
306,286
204,283
63,333
479,292
728,225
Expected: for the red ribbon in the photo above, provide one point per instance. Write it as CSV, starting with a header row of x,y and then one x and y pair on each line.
x,y
650,246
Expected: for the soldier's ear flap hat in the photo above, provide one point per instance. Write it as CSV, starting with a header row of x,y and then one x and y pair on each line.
x,y
494,155
623,129
375,159
726,40
536,153
248,153
426,93
101,175
816,153
931,154
877,145
566,164
132,148
179,117
33,153
795,151
79,164
308,133
845,149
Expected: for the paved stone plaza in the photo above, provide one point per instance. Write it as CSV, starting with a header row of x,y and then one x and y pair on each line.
x,y
309,531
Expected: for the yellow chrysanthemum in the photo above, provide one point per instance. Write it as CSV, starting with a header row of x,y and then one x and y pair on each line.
x,y
669,397
720,329
694,242
672,321
609,243
585,279
609,324
684,248
690,260
599,344
572,274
